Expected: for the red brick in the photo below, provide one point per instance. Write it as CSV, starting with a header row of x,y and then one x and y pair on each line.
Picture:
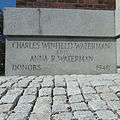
x,y
66,4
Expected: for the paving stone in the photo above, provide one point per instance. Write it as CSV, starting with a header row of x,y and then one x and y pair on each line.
x,y
11,96
23,108
97,82
40,109
88,90
18,116
68,78
15,91
40,116
47,105
4,108
117,81
97,105
118,113
76,99
72,84
44,100
59,100
73,91
101,89
78,106
30,91
47,82
62,116
40,78
84,115
114,105
48,77
109,96
59,91
59,81
106,115
3,116
115,88
84,82
90,97
7,84
22,84
27,99
74,76
45,92
2,91
35,84
60,108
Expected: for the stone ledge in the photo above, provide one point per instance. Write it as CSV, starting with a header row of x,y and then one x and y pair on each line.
x,y
59,22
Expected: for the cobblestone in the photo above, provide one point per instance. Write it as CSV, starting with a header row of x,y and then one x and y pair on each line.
x,y
45,92
97,105
106,115
59,81
59,91
88,90
109,96
59,100
76,99
102,89
84,115
60,97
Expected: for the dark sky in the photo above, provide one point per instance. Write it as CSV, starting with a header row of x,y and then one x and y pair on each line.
x,y
7,3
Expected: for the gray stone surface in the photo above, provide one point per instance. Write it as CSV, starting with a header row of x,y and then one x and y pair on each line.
x,y
97,105
79,106
44,100
109,96
45,92
59,91
62,116
101,89
88,90
41,109
106,114
73,91
58,22
42,116
84,115
114,105
6,108
59,100
117,4
76,99
102,105
117,20
3,116
41,55
60,108
90,97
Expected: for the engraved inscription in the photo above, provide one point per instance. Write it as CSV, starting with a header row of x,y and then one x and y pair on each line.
x,y
62,56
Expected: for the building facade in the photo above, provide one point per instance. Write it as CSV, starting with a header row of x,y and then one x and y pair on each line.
x,y
68,4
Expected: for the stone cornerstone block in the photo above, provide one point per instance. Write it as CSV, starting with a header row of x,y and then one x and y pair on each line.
x,y
59,41
60,55
58,22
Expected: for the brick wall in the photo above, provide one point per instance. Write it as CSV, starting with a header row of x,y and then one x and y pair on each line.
x,y
74,4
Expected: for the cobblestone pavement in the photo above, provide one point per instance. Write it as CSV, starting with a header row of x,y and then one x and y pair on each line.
x,y
67,97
